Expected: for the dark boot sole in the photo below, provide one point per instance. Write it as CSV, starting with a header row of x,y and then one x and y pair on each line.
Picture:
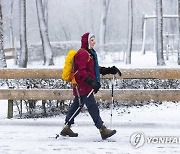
x,y
75,135
105,137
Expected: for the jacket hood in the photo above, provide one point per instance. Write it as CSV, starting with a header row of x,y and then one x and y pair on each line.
x,y
84,41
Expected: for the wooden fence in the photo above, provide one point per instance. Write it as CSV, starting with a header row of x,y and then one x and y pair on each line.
x,y
66,94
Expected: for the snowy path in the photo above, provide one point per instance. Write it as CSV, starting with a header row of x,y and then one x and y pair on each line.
x,y
39,139
36,136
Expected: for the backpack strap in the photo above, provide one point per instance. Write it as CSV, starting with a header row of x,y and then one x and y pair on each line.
x,y
73,73
89,58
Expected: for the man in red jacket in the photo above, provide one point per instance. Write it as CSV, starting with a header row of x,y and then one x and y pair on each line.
x,y
87,77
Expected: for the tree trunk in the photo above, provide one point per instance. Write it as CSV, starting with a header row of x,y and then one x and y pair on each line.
x,y
23,57
48,55
3,63
159,33
45,6
11,25
91,6
179,32
2,55
130,31
102,33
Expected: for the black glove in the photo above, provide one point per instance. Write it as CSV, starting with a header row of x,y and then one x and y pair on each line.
x,y
104,70
110,70
95,85
115,70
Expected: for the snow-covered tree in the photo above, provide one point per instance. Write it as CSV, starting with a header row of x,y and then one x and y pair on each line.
x,y
130,31
23,56
159,33
48,55
2,55
102,32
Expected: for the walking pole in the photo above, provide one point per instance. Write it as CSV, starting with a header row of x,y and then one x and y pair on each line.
x,y
112,100
79,100
90,93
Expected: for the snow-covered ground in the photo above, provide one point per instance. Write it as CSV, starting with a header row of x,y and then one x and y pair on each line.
x,y
138,61
36,136
27,136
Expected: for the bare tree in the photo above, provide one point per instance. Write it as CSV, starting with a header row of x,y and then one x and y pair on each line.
x,y
48,55
2,55
91,7
179,32
23,57
11,25
45,8
102,32
159,33
130,31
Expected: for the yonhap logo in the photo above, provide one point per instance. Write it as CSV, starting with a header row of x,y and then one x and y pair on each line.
x,y
137,140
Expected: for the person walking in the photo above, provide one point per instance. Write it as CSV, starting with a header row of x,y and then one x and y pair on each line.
x,y
87,77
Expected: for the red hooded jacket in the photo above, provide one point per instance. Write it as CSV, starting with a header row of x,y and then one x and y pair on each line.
x,y
84,65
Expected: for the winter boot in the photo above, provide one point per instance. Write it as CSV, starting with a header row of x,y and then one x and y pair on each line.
x,y
105,133
67,131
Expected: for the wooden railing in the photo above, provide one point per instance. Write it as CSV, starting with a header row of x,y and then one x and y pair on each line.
x,y
105,94
23,73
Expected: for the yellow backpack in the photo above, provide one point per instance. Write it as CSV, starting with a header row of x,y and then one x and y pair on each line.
x,y
67,72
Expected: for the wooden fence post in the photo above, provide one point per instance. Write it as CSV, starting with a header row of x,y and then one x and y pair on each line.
x,y
10,109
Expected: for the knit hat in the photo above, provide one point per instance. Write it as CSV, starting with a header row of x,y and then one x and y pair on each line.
x,y
90,36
